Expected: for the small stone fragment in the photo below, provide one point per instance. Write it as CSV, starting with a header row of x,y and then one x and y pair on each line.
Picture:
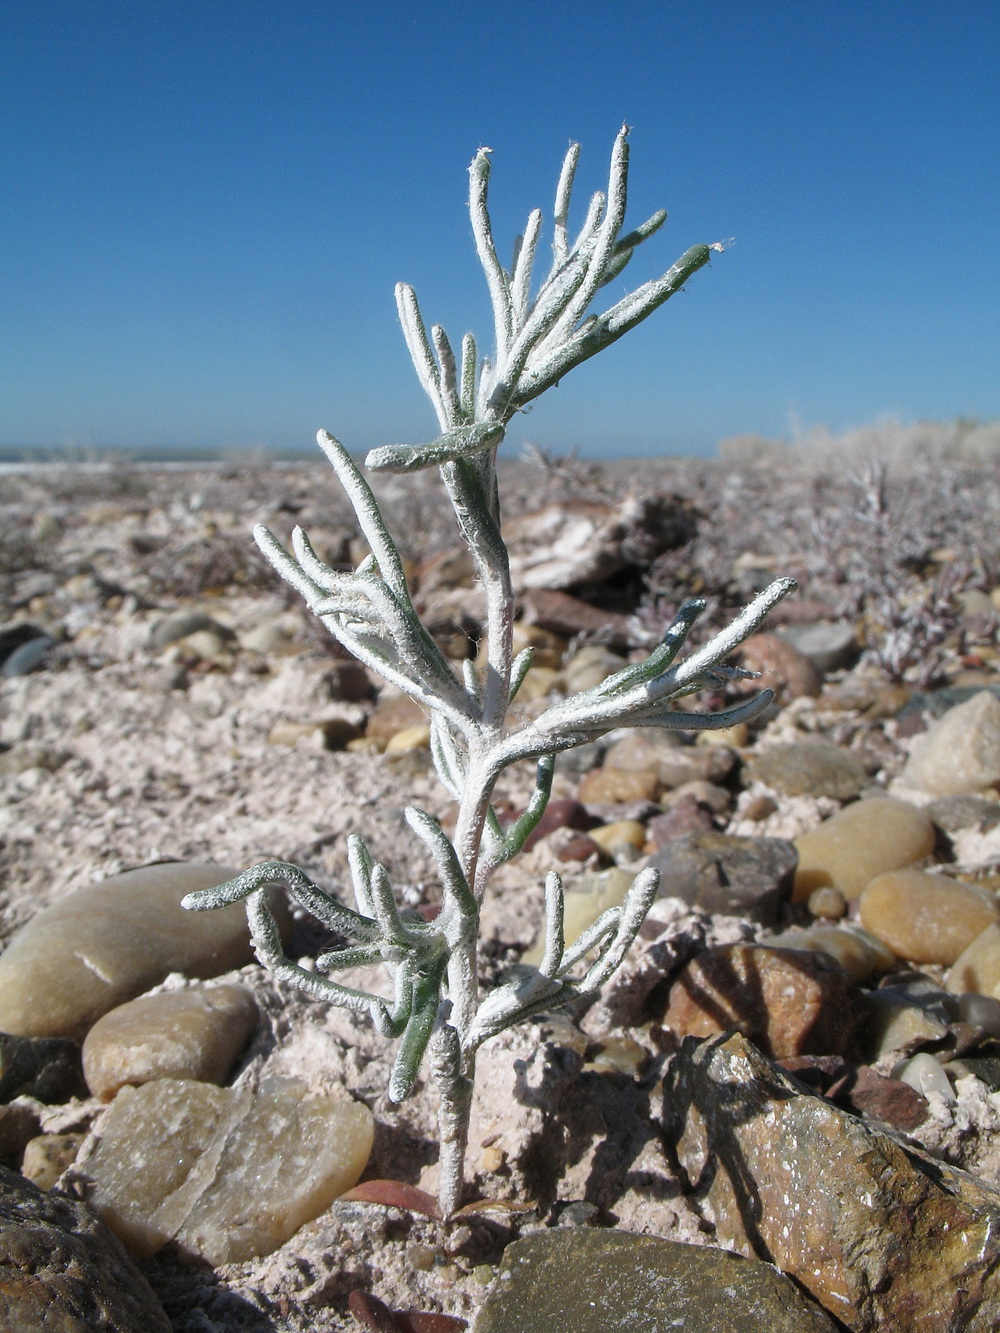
x,y
227,1174
47,1156
721,872
786,1002
627,832
195,1033
960,752
683,816
110,941
392,713
810,768
182,624
29,657
981,1011
859,842
618,785
588,667
926,918
827,903
923,1072
978,967
63,1271
952,814
19,1123
867,1228
829,644
898,1022
417,737
581,1279
782,667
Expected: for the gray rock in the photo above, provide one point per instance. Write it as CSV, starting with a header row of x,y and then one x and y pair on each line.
x,y
579,1279
829,644
45,1068
13,636
722,873
952,814
30,656
62,1270
810,768
181,624
879,1234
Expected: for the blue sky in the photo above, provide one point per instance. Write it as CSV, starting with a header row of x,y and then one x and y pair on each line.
x,y
205,205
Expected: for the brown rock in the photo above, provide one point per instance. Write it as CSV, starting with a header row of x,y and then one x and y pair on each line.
x,y
859,842
883,1237
684,816
926,918
563,614
193,1033
786,1002
720,872
392,713
782,667
617,785
47,1156
111,941
62,1271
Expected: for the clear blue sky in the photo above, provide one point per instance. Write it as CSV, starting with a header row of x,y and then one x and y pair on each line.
x,y
205,205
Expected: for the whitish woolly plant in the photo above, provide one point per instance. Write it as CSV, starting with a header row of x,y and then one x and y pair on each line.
x,y
433,965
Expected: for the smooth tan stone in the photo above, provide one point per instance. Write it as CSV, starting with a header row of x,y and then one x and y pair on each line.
x,y
846,947
859,842
628,832
592,664
410,738
960,752
618,785
926,918
978,967
585,899
227,1174
195,1033
47,1156
108,942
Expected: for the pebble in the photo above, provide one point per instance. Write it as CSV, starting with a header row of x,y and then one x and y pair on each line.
x,y
898,1022
952,814
110,941
585,1279
19,1124
978,967
830,645
194,1033
618,785
563,615
827,903
393,713
62,1270
810,768
859,842
588,667
562,812
981,1011
720,872
187,1161
782,667
182,624
923,1072
960,752
859,959
585,899
30,656
926,918
683,816
627,832
47,1156
831,1199
47,1069
14,634
417,737
785,1002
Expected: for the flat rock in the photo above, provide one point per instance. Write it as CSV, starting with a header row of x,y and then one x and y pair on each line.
x,y
616,786
810,768
568,616
63,1271
195,1033
582,1279
110,941
182,624
829,644
721,872
960,752
926,918
859,842
783,668
785,1001
882,1237
189,1162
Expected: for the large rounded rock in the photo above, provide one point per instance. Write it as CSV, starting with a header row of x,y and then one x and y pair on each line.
x,y
859,842
810,768
109,942
62,1270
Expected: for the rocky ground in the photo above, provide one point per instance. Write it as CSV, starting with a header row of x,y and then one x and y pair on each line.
x,y
164,699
